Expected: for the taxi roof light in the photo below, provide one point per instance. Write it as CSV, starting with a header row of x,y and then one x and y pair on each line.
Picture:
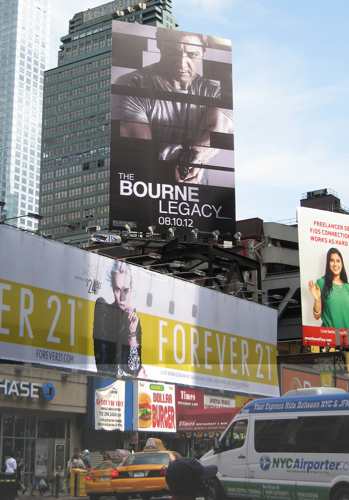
x,y
154,444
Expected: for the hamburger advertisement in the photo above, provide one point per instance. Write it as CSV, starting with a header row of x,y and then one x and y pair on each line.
x,y
156,407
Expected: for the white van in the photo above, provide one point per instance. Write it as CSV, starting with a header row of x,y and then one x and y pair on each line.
x,y
293,447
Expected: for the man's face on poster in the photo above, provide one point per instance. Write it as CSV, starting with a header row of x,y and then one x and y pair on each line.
x,y
121,283
182,60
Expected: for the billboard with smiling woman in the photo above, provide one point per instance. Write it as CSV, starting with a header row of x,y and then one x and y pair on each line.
x,y
323,255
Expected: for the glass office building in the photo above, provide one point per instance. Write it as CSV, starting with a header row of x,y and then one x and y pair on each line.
x,y
23,55
74,189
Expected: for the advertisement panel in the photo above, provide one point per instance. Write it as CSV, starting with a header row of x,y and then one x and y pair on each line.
x,y
323,257
62,306
110,407
298,378
172,142
197,411
110,404
218,402
155,407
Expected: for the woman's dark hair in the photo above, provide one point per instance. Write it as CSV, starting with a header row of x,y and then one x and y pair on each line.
x,y
327,289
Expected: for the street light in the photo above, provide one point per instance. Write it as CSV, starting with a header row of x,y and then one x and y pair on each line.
x,y
31,215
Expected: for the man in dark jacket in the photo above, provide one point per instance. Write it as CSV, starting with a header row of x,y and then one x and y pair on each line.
x,y
187,478
116,329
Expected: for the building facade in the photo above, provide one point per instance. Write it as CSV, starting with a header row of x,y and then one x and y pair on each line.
x,y
76,119
23,55
41,411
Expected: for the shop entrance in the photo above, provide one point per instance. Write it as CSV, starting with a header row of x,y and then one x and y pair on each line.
x,y
39,444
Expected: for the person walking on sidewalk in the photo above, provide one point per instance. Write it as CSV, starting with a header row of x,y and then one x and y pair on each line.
x,y
10,464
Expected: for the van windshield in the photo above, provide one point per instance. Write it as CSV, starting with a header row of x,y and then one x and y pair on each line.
x,y
235,435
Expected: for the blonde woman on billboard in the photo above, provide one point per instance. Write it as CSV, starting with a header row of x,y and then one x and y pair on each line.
x,y
117,329
331,293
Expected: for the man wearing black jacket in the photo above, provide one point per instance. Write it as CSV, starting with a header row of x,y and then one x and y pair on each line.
x,y
187,478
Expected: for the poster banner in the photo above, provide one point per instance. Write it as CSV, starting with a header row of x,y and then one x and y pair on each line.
x,y
197,411
324,256
155,407
172,142
62,306
303,377
110,407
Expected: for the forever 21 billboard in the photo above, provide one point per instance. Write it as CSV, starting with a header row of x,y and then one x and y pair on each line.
x,y
172,143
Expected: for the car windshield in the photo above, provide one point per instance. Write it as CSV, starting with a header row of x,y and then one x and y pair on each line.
x,y
147,458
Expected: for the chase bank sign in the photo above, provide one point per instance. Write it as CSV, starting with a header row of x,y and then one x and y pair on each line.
x,y
27,390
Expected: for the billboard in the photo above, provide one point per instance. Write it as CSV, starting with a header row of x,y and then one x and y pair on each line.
x,y
110,404
303,377
110,407
62,306
172,143
324,256
197,411
155,409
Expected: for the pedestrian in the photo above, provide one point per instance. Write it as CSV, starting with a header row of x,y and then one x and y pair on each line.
x,y
10,464
187,478
75,462
86,458
20,474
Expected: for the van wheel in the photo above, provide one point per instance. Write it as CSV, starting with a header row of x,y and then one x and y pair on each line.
x,y
341,494
215,491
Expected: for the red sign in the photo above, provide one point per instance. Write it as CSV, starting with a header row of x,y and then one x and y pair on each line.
x,y
210,420
298,379
192,415
189,398
325,336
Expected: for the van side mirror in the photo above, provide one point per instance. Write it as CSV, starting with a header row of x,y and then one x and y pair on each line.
x,y
217,446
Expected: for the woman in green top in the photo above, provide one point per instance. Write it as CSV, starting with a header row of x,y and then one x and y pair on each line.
x,y
331,293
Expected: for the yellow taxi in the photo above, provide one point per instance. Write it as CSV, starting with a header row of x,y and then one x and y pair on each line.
x,y
98,479
143,473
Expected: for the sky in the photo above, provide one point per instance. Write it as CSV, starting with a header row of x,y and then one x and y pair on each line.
x,y
291,93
